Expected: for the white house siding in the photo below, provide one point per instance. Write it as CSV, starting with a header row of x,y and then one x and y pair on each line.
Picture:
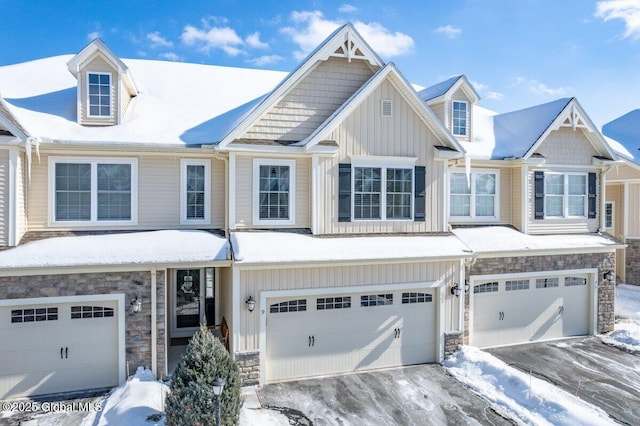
x,y
438,109
245,194
365,133
615,194
634,210
312,100
4,197
158,194
252,282
98,64
21,220
517,198
567,146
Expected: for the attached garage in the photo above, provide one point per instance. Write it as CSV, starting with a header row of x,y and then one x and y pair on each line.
x,y
55,345
520,308
330,333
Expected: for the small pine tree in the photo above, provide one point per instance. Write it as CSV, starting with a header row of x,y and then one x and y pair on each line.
x,y
191,400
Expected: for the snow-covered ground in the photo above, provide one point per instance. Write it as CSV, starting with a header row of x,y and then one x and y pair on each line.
x,y
627,332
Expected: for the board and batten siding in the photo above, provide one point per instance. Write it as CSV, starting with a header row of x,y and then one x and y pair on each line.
x,y
366,133
517,198
158,195
100,65
21,220
4,197
615,194
633,198
253,282
567,146
245,193
312,100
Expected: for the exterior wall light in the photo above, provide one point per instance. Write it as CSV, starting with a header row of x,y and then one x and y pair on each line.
x,y
455,290
251,304
608,275
136,305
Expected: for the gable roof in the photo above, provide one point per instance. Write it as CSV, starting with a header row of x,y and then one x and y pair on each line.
x,y
440,91
625,132
8,121
343,42
390,71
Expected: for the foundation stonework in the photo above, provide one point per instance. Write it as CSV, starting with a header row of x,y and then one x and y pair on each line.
x,y
632,261
452,341
249,365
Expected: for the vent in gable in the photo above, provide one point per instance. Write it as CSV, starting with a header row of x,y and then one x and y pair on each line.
x,y
387,108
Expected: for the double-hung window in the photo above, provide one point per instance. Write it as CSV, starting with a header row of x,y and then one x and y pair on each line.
x,y
459,118
475,198
382,193
565,194
92,191
608,214
195,191
274,191
99,94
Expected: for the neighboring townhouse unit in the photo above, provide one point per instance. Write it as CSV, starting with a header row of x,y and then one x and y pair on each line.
x,y
330,216
623,193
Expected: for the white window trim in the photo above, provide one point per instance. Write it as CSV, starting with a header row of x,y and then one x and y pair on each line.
x,y
184,163
565,196
111,103
613,215
466,128
473,217
383,163
256,191
94,191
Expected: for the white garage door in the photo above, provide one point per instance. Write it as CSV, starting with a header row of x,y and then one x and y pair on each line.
x,y
519,310
329,334
63,347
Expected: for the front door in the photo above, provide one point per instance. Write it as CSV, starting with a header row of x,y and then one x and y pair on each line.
x,y
188,302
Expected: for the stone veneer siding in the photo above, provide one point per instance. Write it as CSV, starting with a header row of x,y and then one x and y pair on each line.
x,y
452,341
132,284
249,365
602,261
632,262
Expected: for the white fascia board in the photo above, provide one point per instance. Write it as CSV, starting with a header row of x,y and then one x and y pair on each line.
x,y
445,154
550,252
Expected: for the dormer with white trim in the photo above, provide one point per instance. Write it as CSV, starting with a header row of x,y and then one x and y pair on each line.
x,y
105,85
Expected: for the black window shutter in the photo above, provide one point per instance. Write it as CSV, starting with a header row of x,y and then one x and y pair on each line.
x,y
539,194
344,193
592,196
419,202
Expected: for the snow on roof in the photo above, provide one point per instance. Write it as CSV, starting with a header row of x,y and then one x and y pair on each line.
x,y
624,135
498,136
283,247
169,246
178,104
438,89
503,239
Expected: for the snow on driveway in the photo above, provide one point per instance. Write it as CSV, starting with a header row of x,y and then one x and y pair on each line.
x,y
627,332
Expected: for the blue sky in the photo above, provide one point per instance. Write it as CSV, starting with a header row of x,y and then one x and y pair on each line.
x,y
517,53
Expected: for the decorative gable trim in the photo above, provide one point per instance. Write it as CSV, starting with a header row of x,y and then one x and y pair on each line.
x,y
345,42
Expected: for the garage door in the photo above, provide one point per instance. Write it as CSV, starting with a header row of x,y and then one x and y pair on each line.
x,y
329,334
509,311
51,348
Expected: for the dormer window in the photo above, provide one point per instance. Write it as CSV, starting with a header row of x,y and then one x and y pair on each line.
x,y
459,118
99,90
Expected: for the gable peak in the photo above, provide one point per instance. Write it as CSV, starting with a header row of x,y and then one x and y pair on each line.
x,y
346,42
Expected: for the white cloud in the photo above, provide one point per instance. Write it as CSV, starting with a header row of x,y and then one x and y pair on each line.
x,y
94,35
157,40
253,40
484,91
496,96
265,60
541,88
171,56
627,10
479,86
449,31
347,8
206,39
311,28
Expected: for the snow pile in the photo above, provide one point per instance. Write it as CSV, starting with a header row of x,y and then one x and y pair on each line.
x,y
628,301
131,403
527,399
627,332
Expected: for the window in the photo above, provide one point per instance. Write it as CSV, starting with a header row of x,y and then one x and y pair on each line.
x,y
547,282
34,314
565,195
299,305
376,300
195,191
459,118
608,215
382,193
78,312
486,288
574,281
99,94
88,190
516,285
477,201
324,303
416,298
274,191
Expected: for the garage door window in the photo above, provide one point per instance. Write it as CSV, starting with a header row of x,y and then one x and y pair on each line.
x,y
78,312
517,285
486,288
376,300
547,282
35,314
324,303
299,305
416,298
573,281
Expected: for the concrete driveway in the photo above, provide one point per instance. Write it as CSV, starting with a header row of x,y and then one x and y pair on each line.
x,y
602,375
416,395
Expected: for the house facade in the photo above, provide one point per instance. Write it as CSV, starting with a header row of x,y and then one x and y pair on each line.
x,y
333,217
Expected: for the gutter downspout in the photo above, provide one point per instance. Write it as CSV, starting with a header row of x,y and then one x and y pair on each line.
x,y
154,324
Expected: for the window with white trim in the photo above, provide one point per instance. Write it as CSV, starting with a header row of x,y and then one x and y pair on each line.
x,y
326,303
99,94
547,282
195,192
376,300
34,314
415,297
299,305
87,191
608,214
479,200
511,285
382,193
574,281
491,287
274,191
79,312
565,194
459,118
